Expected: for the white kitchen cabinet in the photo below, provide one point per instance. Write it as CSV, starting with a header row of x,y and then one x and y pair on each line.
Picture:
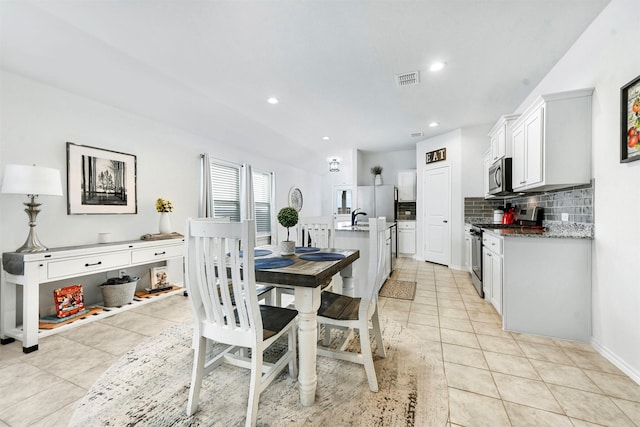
x,y
552,142
492,269
468,247
407,185
500,137
407,237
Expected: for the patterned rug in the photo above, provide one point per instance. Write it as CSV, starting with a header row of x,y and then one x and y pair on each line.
x,y
400,289
149,386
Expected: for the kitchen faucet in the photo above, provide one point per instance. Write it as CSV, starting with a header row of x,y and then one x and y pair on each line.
x,y
354,215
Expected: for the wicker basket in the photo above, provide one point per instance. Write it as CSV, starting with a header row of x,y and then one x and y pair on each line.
x,y
119,294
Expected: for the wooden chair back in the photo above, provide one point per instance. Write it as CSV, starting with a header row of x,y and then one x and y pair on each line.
x,y
316,231
377,248
209,269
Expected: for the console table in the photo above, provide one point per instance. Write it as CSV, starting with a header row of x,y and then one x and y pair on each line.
x,y
29,270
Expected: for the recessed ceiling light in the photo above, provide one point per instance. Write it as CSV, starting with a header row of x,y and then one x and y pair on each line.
x,y
436,66
325,138
433,124
272,100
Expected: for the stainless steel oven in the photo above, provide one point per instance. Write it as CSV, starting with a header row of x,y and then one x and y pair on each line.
x,y
476,259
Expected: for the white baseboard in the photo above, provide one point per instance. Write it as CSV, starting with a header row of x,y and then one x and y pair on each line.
x,y
619,363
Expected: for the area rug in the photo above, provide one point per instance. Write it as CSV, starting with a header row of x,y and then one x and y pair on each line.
x,y
400,289
149,386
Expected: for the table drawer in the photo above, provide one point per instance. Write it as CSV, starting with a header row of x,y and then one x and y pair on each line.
x,y
86,265
158,252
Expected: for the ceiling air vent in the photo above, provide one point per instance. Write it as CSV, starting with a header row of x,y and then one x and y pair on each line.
x,y
417,134
408,79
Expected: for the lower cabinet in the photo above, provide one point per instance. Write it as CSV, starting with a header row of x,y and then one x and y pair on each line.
x,y
407,237
492,270
468,247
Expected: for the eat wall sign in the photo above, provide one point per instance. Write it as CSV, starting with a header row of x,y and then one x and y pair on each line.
x,y
437,155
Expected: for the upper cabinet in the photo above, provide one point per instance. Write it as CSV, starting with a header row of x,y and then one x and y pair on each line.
x,y
407,186
552,142
500,137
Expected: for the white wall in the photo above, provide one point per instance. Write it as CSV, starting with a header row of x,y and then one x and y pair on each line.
x,y
37,121
475,141
452,141
606,58
391,161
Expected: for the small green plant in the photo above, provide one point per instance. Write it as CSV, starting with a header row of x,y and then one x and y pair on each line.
x,y
376,170
288,217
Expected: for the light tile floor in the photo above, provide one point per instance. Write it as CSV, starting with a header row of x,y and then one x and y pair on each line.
x,y
495,378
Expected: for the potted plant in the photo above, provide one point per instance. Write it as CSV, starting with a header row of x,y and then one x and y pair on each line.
x,y
288,217
376,171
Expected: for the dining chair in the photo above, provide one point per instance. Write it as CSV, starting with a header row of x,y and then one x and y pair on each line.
x,y
316,231
245,324
313,231
265,292
355,313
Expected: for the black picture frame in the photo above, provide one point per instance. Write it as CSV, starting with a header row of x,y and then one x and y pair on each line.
x,y
630,121
100,181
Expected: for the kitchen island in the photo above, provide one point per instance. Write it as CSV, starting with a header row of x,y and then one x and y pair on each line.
x,y
357,237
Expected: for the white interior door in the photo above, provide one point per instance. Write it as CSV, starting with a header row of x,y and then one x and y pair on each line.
x,y
437,239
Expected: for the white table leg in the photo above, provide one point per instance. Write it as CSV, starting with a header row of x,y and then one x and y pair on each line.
x,y
348,281
307,303
30,316
8,310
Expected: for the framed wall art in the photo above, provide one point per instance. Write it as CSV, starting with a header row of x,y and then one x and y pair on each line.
x,y
630,121
100,181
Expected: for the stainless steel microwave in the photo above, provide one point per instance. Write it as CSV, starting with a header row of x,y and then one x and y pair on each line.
x,y
500,177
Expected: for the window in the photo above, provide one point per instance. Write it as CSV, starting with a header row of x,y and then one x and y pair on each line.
x,y
225,189
262,199
225,186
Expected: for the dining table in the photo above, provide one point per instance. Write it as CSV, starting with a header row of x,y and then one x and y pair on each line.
x,y
307,277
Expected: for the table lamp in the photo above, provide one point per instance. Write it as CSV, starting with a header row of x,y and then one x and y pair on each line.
x,y
32,181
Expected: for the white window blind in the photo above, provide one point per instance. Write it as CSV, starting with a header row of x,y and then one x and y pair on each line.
x,y
225,186
262,199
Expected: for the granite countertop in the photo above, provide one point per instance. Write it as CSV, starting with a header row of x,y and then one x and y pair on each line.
x,y
349,227
550,229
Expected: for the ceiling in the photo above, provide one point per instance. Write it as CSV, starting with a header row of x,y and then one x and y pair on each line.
x,y
208,67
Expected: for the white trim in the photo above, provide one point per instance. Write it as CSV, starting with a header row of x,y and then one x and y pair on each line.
x,y
618,362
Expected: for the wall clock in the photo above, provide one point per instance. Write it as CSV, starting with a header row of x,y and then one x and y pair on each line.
x,y
295,198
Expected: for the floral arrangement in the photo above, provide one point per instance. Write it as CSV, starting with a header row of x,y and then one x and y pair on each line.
x,y
163,205
376,170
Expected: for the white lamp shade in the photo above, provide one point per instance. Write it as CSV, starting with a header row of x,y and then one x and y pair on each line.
x,y
35,180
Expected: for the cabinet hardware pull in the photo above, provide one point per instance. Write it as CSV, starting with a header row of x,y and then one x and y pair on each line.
x,y
160,253
95,263
523,182
445,221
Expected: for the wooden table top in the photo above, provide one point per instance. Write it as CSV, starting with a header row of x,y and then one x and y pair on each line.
x,y
302,272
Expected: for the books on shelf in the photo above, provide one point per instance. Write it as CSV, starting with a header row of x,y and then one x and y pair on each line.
x,y
68,300
159,278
